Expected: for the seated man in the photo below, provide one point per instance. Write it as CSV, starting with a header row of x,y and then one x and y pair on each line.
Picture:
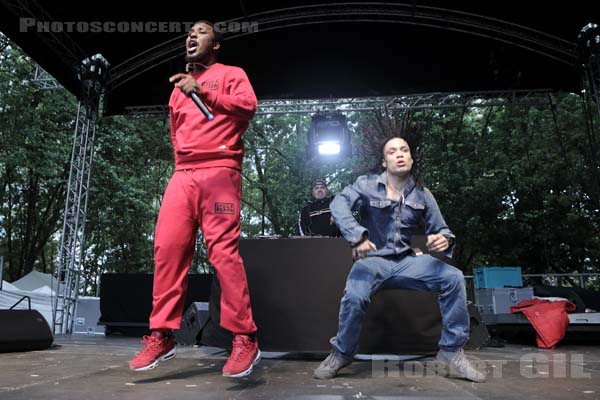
x,y
392,204
315,218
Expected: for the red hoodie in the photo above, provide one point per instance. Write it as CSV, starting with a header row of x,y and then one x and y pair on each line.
x,y
200,143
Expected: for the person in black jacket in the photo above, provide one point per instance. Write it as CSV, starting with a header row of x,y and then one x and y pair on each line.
x,y
315,218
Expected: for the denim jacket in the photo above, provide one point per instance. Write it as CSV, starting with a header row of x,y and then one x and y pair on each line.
x,y
389,224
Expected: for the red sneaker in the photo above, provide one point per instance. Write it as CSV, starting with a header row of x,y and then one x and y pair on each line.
x,y
244,356
158,347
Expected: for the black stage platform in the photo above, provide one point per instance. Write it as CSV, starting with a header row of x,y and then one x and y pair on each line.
x,y
95,368
295,289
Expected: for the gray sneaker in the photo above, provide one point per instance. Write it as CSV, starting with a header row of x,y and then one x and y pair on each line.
x,y
458,363
331,365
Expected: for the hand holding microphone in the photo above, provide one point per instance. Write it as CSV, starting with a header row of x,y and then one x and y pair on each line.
x,y
202,106
189,86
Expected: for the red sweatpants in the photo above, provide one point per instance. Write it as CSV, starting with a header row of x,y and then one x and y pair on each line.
x,y
208,198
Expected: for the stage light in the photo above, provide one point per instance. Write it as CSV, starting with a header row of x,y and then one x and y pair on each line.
x,y
329,148
328,136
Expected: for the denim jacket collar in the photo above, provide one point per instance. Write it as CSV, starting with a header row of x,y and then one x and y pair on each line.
x,y
410,185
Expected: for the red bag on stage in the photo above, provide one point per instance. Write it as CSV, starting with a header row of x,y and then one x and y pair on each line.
x,y
549,319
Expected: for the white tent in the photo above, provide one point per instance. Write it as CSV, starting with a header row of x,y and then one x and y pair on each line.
x,y
44,290
39,301
41,289
8,286
35,280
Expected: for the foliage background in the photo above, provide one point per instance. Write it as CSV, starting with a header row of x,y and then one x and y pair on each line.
x,y
518,186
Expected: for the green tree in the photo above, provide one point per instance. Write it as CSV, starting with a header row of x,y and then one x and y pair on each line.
x,y
35,132
132,165
519,186
277,174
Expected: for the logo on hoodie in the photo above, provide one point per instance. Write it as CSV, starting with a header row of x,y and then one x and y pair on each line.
x,y
210,85
224,208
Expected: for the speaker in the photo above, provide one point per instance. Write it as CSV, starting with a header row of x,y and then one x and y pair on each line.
x,y
478,335
23,330
126,300
192,323
582,298
213,333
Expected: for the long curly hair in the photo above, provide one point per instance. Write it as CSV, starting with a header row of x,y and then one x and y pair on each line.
x,y
378,129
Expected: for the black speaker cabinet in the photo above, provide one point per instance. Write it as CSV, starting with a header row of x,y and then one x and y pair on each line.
x,y
479,335
582,298
23,330
295,290
194,320
126,300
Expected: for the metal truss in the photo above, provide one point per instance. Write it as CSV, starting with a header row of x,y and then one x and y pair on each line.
x,y
409,102
514,98
413,14
92,74
157,111
44,80
589,55
61,43
427,101
539,42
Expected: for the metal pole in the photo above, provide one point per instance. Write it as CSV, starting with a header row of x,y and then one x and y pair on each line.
x,y
1,271
92,74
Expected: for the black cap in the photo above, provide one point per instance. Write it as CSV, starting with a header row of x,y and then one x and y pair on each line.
x,y
318,182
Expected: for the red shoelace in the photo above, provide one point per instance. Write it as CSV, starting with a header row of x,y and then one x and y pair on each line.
x,y
241,346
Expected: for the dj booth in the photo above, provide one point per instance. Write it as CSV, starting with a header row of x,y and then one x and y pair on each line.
x,y
295,288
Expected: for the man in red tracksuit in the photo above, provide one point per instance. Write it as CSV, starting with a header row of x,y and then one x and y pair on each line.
x,y
204,192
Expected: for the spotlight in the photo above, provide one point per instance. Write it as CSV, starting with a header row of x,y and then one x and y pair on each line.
x,y
329,148
329,136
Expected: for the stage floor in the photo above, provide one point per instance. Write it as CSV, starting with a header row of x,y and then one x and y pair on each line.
x,y
95,368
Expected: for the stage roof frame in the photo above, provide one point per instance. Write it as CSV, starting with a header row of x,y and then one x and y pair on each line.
x,y
316,50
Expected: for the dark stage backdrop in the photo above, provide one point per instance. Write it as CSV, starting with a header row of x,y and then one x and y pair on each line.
x,y
295,288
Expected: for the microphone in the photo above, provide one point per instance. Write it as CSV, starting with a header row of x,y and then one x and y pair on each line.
x,y
189,67
202,106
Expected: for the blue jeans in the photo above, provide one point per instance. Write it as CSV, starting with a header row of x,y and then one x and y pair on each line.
x,y
410,272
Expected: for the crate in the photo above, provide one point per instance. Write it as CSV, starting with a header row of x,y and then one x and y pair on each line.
x,y
87,314
499,301
497,277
